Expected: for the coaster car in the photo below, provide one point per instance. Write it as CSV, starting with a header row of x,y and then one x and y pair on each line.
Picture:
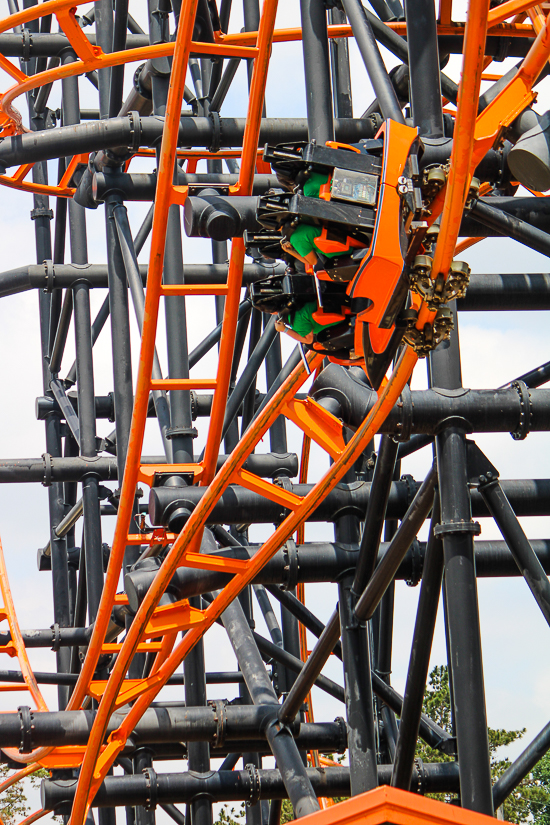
x,y
369,211
287,293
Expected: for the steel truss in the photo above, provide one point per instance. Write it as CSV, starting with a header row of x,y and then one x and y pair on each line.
x,y
117,649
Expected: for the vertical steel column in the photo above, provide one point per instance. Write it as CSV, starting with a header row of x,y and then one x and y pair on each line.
x,y
84,371
143,759
425,83
198,753
359,704
104,38
419,662
41,216
317,70
339,62
120,337
253,813
356,657
457,532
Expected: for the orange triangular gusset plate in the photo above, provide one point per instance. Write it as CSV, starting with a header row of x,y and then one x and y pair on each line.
x,y
391,805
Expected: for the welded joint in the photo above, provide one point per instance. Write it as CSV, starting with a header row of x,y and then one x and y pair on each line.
x,y
525,411
255,785
26,717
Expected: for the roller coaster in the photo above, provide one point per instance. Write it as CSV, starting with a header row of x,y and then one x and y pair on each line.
x,y
344,232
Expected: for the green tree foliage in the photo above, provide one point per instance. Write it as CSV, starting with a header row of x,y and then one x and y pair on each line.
x,y
530,802
531,797
13,801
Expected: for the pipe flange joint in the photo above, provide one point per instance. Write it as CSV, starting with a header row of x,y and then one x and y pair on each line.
x,y
47,480
416,564
412,487
405,407
49,273
26,40
135,132
56,636
342,734
26,717
525,411
220,718
151,784
455,528
255,784
216,132
417,779
291,565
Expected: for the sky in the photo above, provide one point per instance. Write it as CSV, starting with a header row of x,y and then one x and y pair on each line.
x,y
495,348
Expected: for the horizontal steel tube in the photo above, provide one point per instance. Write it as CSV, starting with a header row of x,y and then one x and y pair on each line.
x,y
346,396
28,470
216,724
235,785
49,45
511,292
193,131
317,562
142,187
486,291
170,507
49,276
44,678
45,470
531,210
